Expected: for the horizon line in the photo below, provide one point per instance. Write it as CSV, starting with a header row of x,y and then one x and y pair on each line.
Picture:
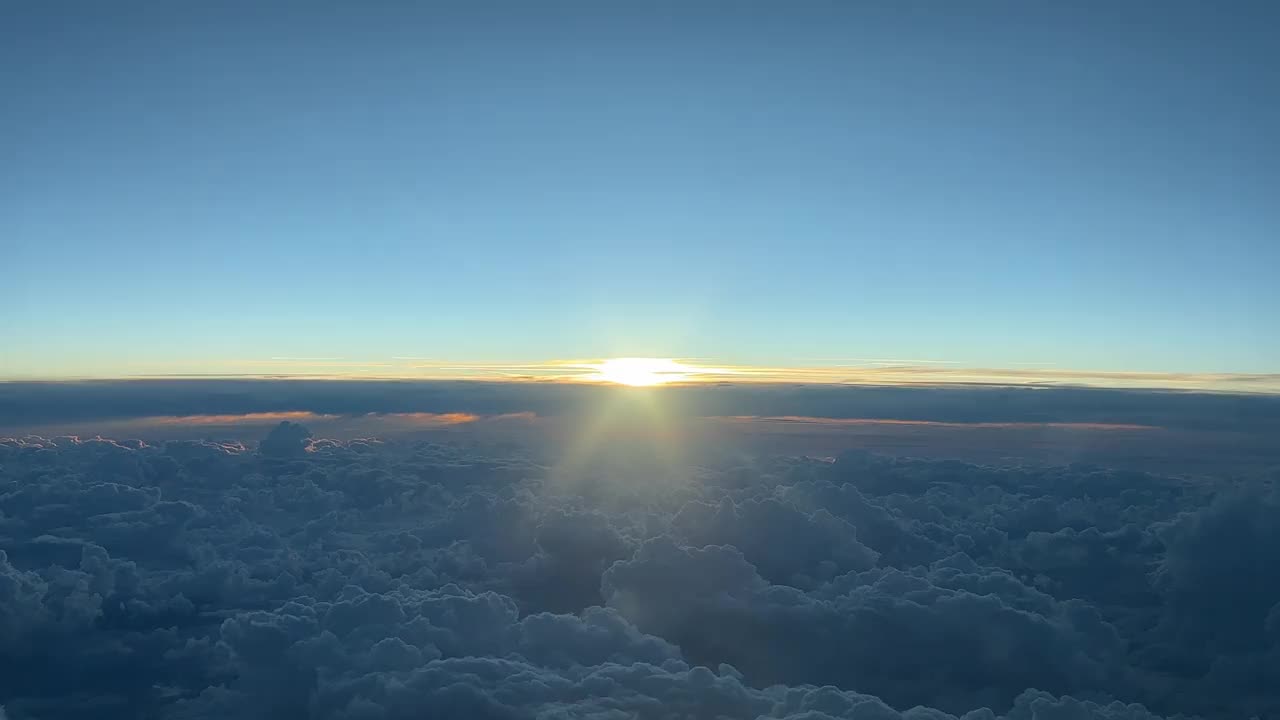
x,y
583,372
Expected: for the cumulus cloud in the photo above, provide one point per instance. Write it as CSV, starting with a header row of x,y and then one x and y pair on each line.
x,y
296,576
288,439
985,637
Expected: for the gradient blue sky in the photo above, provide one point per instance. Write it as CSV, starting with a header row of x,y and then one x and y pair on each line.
x,y
1084,185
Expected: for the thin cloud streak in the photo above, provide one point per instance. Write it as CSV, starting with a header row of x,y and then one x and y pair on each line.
x,y
707,371
260,418
856,362
845,422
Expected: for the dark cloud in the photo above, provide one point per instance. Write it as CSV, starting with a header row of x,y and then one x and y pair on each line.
x,y
977,634
819,545
1167,432
288,439
41,403
302,577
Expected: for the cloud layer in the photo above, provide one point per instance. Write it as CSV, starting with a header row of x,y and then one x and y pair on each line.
x,y
300,577
38,403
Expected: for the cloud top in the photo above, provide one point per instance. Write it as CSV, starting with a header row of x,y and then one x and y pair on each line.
x,y
298,576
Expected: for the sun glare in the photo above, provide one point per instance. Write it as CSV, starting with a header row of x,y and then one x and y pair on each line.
x,y
642,372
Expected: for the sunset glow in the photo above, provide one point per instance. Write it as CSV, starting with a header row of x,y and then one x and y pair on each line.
x,y
642,372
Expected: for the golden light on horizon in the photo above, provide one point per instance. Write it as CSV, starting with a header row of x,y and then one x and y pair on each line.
x,y
641,372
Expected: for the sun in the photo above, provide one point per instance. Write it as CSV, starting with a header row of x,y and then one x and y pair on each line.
x,y
641,372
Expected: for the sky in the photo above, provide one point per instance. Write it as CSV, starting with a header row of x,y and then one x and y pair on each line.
x,y
974,304
228,187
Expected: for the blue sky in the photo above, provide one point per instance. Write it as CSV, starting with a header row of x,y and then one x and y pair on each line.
x,y
1084,185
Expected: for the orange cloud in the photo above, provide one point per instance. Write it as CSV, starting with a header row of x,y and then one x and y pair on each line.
x,y
430,419
844,422
246,418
